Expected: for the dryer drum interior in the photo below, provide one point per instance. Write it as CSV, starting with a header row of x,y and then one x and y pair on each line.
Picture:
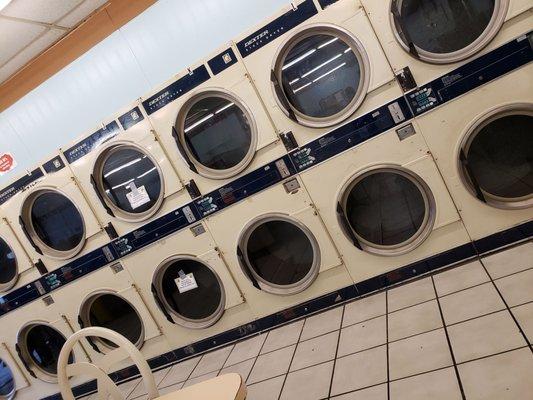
x,y
129,180
54,223
322,75
7,382
389,210
445,31
40,345
191,290
218,133
496,158
281,254
112,311
8,266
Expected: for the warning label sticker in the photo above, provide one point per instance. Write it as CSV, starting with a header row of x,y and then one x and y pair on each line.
x,y
7,163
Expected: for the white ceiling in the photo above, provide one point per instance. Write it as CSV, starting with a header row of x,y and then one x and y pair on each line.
x,y
28,27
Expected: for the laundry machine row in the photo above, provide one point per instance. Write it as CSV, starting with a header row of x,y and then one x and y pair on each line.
x,y
515,53
331,145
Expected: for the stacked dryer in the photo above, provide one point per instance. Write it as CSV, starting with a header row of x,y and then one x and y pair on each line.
x,y
212,122
481,142
317,67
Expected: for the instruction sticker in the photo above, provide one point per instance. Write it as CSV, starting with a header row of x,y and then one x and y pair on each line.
x,y
186,282
138,196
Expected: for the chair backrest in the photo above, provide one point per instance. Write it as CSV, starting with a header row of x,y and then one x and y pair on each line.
x,y
106,387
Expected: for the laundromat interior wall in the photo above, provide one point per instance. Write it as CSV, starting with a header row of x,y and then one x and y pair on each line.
x,y
147,51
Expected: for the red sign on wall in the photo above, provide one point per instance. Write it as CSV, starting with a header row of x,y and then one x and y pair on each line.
x,y
7,163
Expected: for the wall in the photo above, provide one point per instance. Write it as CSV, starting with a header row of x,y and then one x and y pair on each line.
x,y
167,37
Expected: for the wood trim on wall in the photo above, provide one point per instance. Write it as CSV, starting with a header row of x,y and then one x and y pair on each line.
x,y
99,25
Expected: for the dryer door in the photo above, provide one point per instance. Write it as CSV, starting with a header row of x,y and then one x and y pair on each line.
x,y
12,378
9,266
39,344
195,290
122,311
321,76
54,222
446,31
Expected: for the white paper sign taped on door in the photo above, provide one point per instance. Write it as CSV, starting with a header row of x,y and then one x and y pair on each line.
x,y
186,282
138,196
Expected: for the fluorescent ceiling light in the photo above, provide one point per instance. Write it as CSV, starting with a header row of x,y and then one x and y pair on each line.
x,y
4,3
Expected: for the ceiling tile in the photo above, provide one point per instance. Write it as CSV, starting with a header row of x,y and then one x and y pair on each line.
x,y
80,13
48,11
14,36
33,50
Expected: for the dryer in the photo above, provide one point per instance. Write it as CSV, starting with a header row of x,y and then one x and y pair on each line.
x,y
187,286
384,201
434,37
125,172
109,297
49,214
31,340
277,247
212,122
317,65
16,268
483,145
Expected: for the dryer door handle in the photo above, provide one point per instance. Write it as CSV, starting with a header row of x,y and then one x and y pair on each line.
x,y
246,269
182,151
89,339
100,198
280,93
28,236
403,31
23,360
160,304
345,225
470,173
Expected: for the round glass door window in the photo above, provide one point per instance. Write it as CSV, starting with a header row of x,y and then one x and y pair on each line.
x,y
444,31
497,158
280,254
7,382
321,76
129,181
388,211
54,223
217,134
40,346
8,267
111,311
190,290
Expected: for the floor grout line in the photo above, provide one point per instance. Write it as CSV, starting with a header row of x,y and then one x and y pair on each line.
x,y
507,306
336,353
292,359
258,355
461,388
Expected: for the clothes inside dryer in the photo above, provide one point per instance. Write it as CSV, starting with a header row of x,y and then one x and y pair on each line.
x,y
217,131
281,254
191,290
54,222
387,208
7,382
497,158
108,310
129,179
8,266
40,345
441,27
321,73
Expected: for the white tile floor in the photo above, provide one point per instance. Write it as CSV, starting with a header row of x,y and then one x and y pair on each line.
x,y
459,334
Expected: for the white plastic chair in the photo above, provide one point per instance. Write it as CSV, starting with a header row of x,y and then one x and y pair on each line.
x,y
225,387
